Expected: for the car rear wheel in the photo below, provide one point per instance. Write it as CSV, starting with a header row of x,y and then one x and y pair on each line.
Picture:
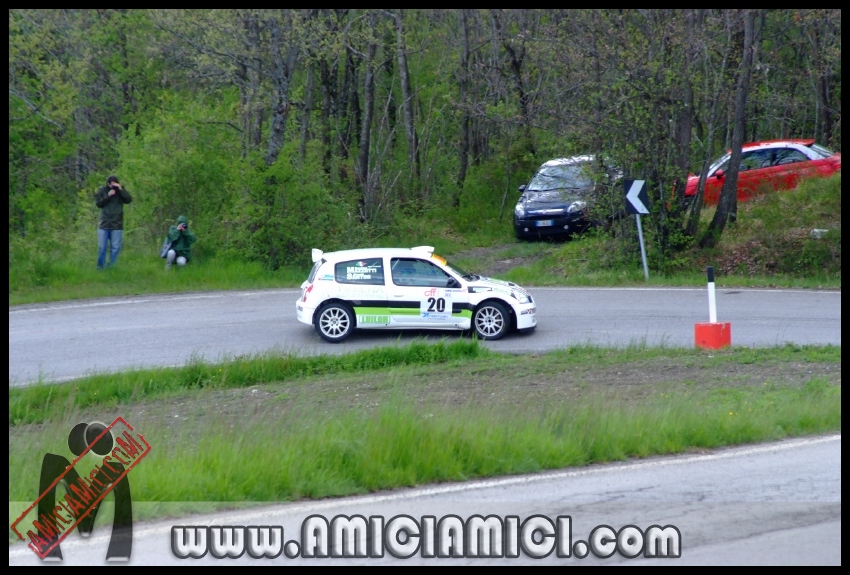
x,y
491,321
334,322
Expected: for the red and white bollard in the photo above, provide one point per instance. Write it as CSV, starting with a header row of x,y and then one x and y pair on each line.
x,y
712,335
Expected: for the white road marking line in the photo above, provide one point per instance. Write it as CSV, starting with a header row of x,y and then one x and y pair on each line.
x,y
153,299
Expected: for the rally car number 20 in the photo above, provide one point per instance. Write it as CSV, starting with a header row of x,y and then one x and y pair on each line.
x,y
407,288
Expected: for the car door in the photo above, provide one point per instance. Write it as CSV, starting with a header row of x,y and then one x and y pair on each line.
x,y
756,174
713,185
421,294
361,283
790,166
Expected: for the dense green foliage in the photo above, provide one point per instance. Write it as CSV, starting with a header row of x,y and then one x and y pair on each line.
x,y
277,131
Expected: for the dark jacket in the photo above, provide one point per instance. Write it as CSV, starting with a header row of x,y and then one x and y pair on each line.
x,y
181,242
111,207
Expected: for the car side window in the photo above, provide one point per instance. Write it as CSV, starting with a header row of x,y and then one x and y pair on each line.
x,y
756,159
368,271
414,272
789,156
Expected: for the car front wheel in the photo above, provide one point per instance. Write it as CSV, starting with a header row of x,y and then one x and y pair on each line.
x,y
334,322
491,321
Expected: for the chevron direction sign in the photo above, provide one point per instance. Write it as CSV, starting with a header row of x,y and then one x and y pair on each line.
x,y
637,201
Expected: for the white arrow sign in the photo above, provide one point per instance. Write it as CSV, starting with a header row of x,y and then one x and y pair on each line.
x,y
633,196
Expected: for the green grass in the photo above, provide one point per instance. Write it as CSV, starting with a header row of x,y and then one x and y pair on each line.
x,y
42,402
282,428
397,445
54,279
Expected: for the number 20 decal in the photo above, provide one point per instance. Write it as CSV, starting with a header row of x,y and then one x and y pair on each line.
x,y
438,303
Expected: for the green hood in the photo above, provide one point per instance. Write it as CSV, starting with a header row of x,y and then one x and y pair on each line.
x,y
183,220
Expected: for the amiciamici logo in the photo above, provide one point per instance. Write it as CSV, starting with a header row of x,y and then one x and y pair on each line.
x,y
105,454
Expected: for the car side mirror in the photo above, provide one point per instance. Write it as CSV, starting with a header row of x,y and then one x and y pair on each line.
x,y
719,174
522,188
452,283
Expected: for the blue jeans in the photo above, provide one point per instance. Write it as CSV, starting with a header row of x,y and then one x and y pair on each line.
x,y
114,237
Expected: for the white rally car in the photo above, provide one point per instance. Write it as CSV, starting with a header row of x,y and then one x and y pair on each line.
x,y
400,288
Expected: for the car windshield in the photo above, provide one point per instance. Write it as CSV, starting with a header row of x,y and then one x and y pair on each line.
x,y
563,177
717,163
457,271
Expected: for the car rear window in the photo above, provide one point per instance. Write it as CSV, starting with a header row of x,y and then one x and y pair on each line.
x,y
824,152
365,272
315,269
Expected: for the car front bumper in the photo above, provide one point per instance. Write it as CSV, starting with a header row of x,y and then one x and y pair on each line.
x,y
526,315
559,225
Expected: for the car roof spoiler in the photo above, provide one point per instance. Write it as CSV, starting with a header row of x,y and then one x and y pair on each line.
x,y
317,254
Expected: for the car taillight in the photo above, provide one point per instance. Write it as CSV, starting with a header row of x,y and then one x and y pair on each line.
x,y
307,290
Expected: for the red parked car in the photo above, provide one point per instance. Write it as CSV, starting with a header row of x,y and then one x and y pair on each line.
x,y
769,165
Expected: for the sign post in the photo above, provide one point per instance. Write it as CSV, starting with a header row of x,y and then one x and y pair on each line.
x,y
636,203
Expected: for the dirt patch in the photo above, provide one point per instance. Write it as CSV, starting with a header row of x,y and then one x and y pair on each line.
x,y
497,260
531,382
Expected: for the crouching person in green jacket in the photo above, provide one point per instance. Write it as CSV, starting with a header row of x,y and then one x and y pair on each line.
x,y
181,243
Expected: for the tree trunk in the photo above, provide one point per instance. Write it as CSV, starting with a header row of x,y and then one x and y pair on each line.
x,y
366,200
720,88
684,122
727,205
350,104
407,99
327,96
516,59
305,116
824,119
248,80
282,68
463,96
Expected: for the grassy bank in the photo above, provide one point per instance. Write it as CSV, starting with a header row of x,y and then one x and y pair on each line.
x,y
47,279
41,403
768,246
384,419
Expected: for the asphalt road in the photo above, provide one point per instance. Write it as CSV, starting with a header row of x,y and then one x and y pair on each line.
x,y
57,342
772,504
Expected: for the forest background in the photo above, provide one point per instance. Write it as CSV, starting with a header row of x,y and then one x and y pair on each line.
x,y
277,131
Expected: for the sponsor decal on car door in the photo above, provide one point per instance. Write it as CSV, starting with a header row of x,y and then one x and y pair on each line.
x,y
419,295
361,284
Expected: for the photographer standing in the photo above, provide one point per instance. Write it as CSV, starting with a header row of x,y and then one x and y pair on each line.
x,y
181,243
110,199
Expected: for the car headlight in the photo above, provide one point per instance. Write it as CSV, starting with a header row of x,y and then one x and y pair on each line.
x,y
519,210
576,207
519,296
